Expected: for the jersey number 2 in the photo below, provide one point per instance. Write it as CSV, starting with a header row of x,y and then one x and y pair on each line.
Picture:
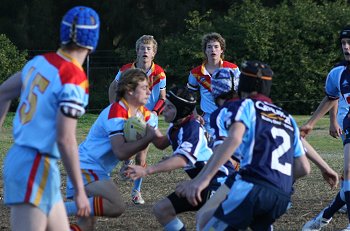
x,y
280,151
27,110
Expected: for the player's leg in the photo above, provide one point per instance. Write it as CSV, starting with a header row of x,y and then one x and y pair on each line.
x,y
107,198
104,198
207,211
140,159
28,217
165,212
57,219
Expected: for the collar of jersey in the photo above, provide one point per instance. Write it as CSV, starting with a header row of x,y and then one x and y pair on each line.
x,y
204,70
126,105
69,58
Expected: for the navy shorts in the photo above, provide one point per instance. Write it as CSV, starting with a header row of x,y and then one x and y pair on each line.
x,y
181,204
252,205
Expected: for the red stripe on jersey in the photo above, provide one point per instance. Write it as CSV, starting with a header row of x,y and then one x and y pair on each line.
x,y
127,66
68,71
32,177
226,64
117,111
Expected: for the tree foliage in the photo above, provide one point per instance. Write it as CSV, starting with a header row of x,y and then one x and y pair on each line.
x,y
11,60
298,38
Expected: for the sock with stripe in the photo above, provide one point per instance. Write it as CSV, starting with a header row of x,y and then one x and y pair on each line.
x,y
96,205
74,227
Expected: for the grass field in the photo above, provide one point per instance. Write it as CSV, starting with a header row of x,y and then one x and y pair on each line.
x,y
311,193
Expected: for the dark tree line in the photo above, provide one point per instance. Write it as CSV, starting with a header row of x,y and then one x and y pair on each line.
x,y
298,38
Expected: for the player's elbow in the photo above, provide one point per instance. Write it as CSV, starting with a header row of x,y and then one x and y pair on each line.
x,y
301,167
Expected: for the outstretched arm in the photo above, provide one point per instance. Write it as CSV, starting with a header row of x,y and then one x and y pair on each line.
x,y
330,176
172,163
325,105
68,147
9,90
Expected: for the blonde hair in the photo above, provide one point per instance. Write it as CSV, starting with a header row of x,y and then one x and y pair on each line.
x,y
129,81
213,37
147,39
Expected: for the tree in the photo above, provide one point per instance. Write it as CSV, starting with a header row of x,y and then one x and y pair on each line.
x,y
11,59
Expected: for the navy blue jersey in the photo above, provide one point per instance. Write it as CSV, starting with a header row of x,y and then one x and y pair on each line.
x,y
270,143
188,139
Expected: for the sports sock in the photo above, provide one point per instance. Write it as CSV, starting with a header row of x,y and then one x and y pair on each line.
x,y
137,185
74,227
175,225
336,204
96,205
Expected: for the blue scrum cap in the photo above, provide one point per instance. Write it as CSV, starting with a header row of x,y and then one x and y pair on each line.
x,y
80,25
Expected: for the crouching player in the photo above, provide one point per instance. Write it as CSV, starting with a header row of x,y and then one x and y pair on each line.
x,y
190,152
105,146
271,155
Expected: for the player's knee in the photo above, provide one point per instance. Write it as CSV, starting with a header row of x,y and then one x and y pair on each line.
x,y
159,210
117,209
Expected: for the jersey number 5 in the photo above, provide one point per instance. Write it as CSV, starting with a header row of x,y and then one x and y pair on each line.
x,y
28,108
285,168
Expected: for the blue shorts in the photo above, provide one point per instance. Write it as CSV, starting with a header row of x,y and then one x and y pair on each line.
x,y
89,176
31,177
251,205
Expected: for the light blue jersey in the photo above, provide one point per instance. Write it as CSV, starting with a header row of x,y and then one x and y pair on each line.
x,y
49,81
95,152
156,79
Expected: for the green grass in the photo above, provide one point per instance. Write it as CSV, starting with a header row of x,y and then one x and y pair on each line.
x,y
311,193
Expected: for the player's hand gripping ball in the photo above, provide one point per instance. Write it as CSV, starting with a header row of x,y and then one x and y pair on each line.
x,y
134,129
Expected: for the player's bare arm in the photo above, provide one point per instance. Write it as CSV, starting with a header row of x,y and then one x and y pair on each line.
x,y
325,105
124,150
172,163
68,147
160,141
330,176
9,90
334,128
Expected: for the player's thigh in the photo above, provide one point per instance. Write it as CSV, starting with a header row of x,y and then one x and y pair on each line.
x,y
58,219
106,189
208,209
27,217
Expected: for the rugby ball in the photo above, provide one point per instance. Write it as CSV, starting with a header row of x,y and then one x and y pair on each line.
x,y
134,129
